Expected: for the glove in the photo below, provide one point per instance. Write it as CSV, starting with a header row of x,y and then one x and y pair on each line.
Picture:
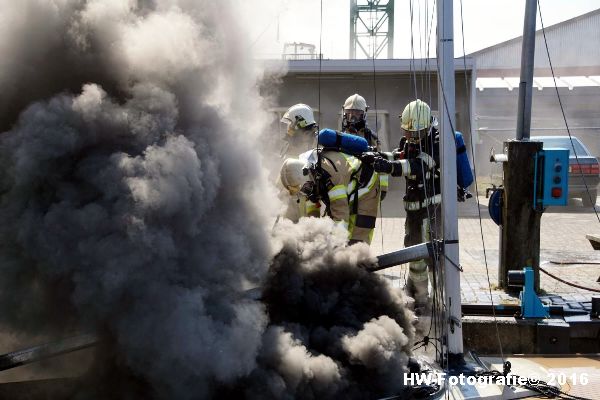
x,y
382,165
427,160
368,157
398,154
309,189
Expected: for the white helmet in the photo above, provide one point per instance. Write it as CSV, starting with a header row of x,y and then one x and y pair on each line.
x,y
416,116
356,102
299,116
292,175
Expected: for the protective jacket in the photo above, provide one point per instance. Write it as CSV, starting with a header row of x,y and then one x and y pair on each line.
x,y
352,194
298,206
374,142
422,177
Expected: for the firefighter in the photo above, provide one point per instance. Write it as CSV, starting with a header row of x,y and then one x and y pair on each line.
x,y
349,189
292,178
301,130
354,121
417,159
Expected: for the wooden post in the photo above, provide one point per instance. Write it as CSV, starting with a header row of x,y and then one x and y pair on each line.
x,y
521,223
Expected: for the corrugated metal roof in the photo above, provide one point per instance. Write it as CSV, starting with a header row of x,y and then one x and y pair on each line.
x,y
571,43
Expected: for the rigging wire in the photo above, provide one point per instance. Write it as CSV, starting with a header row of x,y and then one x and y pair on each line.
x,y
587,189
320,65
437,275
567,282
487,270
436,321
444,325
373,46
319,82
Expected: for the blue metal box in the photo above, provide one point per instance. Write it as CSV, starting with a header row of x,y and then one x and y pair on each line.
x,y
554,177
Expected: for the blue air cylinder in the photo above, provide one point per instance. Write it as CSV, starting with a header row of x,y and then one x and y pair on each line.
x,y
345,142
464,175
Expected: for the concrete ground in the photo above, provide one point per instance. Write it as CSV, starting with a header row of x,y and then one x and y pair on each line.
x,y
564,249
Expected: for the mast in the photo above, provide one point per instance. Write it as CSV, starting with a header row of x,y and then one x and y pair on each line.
x,y
527,63
446,107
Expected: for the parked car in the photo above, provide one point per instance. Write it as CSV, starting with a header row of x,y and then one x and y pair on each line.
x,y
583,164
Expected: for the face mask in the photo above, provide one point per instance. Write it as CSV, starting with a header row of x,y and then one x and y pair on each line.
x,y
356,125
354,122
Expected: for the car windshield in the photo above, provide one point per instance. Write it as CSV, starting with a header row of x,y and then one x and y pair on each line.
x,y
563,143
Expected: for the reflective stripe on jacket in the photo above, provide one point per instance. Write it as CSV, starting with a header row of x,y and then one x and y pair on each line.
x,y
344,171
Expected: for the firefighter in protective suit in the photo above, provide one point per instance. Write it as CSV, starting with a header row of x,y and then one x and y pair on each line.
x,y
354,121
350,191
292,178
417,159
301,129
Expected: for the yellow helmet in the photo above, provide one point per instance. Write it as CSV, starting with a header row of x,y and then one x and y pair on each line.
x,y
416,116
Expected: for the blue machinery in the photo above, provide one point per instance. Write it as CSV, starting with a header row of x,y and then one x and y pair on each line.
x,y
550,185
531,305
553,187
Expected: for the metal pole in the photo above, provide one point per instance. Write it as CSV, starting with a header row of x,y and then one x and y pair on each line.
x,y
352,50
403,256
520,245
44,351
527,62
390,33
446,98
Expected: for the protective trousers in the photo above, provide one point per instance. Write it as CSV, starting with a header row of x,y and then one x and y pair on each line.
x,y
420,227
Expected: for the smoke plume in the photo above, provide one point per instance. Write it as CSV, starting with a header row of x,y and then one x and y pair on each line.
x,y
134,204
129,184
336,330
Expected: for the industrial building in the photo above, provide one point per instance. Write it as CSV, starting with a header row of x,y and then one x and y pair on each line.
x,y
575,57
487,84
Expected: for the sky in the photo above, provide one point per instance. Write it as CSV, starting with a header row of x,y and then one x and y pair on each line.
x,y
485,23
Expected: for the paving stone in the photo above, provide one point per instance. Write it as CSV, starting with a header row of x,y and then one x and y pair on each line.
x,y
562,233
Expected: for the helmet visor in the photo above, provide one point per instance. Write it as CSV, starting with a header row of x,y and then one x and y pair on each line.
x,y
354,115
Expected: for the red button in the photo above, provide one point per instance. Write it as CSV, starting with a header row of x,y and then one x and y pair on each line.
x,y
556,192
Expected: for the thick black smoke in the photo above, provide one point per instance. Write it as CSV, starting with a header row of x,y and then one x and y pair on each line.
x,y
336,330
133,204
129,184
